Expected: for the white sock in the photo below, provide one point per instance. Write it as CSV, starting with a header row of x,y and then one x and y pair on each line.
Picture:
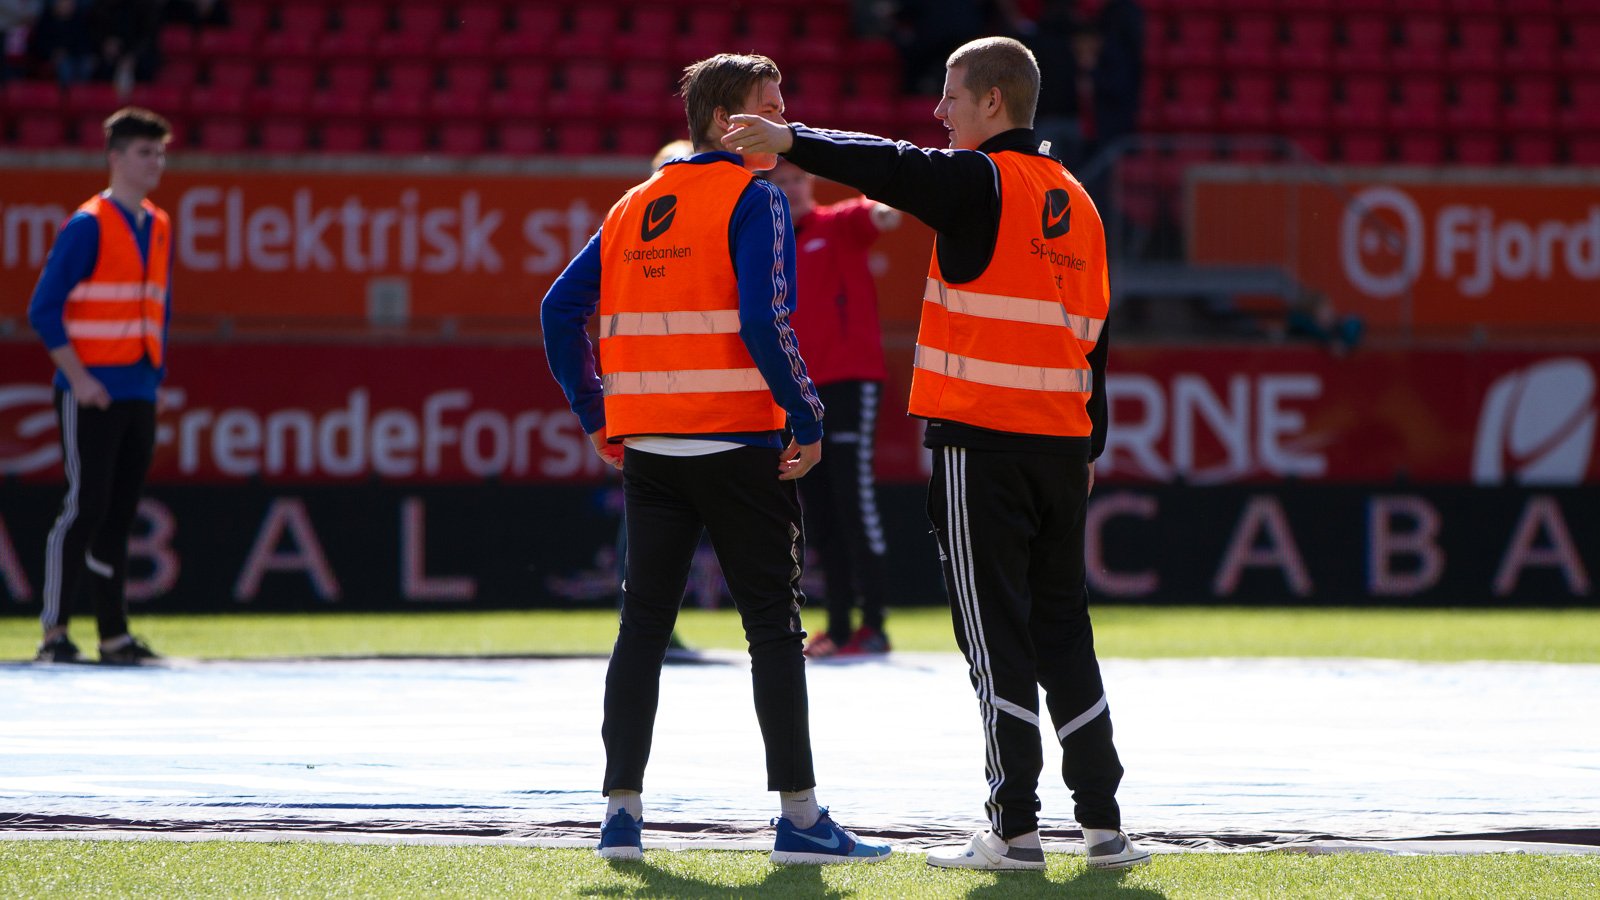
x,y
1094,837
800,807
1029,841
627,801
117,643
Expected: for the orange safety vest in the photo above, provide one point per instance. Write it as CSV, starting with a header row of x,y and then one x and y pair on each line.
x,y
116,315
670,352
1007,351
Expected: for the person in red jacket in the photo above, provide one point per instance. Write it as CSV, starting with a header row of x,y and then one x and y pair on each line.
x,y
836,315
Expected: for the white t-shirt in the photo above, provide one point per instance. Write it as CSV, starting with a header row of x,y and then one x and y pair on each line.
x,y
671,446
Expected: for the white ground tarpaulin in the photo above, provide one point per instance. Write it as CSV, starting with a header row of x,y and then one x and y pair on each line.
x,y
1314,755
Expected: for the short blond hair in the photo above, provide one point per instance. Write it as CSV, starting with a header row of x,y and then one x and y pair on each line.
x,y
1004,63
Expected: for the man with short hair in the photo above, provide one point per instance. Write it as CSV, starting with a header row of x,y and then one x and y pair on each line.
x,y
102,307
692,273
1010,376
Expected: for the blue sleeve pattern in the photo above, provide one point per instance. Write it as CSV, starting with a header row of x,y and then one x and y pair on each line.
x,y
763,248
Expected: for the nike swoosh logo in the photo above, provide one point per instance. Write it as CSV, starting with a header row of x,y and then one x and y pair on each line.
x,y
832,843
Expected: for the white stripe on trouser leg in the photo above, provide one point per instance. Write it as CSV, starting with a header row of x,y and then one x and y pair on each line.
x,y
1085,718
868,497
964,584
97,567
69,512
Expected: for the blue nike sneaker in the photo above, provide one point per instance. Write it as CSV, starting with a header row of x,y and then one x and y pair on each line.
x,y
619,839
823,843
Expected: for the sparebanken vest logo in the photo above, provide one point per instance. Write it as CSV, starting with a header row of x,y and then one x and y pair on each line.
x,y
658,217
1056,218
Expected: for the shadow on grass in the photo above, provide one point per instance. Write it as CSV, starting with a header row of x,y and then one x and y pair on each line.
x,y
1087,883
782,881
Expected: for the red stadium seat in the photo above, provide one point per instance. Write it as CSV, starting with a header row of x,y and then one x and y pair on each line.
x,y
1193,106
1424,40
344,136
332,105
463,138
1535,46
285,136
231,73
91,97
1420,106
396,105
351,77
1582,55
481,17
1421,148
401,136
469,75
1309,44
362,18
1477,104
276,101
451,103
344,45
865,113
404,45
1533,103
224,43
214,101
40,130
227,134
637,139
291,75
1584,112
424,17
1479,42
309,17
1367,44
32,96
175,41
167,99
1254,43
1196,41
711,22
250,16
1477,149
651,36
578,138
1250,102
529,77
823,23
1363,148
1533,149
1363,103
281,45
409,77
586,77
1584,150
813,90
1314,144
768,29
525,137
593,26
1307,101
89,132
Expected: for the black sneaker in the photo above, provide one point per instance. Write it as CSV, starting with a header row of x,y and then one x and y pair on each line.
x,y
132,653
61,650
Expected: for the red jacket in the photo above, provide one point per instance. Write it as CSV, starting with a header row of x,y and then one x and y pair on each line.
x,y
836,313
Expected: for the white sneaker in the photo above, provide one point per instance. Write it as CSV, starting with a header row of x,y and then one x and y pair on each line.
x,y
987,850
1117,853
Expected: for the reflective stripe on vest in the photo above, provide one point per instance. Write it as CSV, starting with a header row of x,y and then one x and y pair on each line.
x,y
719,321
1008,350
1006,375
116,316
1012,309
672,360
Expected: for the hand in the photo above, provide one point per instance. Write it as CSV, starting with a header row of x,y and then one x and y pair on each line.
x,y
797,460
753,134
168,399
88,391
1090,489
610,453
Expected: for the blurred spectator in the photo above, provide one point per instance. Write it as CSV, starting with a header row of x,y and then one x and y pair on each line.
x,y
1113,56
1051,37
125,35
197,13
926,32
1315,318
63,41
16,18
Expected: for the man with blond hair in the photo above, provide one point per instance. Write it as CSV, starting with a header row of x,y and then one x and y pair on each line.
x,y
1010,376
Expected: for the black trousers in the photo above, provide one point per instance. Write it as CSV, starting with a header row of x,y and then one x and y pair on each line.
x,y
840,496
754,523
106,453
1010,527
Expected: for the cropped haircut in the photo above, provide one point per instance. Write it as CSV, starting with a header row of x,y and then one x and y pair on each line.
x,y
133,122
725,81
1004,63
